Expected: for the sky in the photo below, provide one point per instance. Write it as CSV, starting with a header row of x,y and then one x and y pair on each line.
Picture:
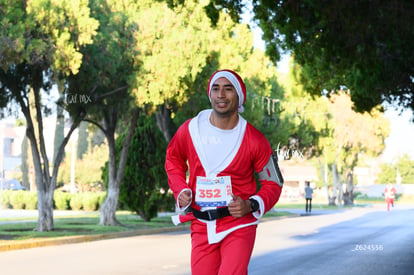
x,y
401,138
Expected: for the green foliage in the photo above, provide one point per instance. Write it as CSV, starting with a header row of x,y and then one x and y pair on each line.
x,y
405,168
19,199
76,201
87,201
30,199
109,61
90,201
174,45
388,173
62,200
5,198
56,31
366,46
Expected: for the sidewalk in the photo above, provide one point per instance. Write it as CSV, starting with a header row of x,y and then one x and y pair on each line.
x,y
31,215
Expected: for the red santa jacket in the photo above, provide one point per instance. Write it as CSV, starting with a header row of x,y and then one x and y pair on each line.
x,y
252,155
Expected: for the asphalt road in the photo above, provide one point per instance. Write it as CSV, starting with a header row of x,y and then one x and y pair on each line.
x,y
364,241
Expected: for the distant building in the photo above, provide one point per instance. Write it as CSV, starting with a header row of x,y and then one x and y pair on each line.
x,y
10,148
11,139
295,176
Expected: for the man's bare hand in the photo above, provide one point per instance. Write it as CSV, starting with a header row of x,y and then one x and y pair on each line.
x,y
239,207
185,198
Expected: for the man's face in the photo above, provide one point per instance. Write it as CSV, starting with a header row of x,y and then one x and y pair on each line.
x,y
224,98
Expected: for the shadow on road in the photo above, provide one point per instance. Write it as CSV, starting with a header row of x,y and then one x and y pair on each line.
x,y
377,242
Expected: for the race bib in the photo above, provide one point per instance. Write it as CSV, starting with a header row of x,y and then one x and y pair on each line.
x,y
213,192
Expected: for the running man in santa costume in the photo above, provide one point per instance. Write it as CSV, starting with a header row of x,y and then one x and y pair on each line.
x,y
222,151
389,194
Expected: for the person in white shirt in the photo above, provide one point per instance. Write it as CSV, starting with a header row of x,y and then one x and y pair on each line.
x,y
308,197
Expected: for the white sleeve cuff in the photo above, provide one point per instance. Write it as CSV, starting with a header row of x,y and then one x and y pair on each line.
x,y
177,206
176,219
259,213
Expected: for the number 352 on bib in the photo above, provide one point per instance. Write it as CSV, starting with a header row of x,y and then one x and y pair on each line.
x,y
213,192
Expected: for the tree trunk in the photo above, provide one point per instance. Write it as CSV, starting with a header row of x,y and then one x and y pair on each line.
x,y
110,205
34,133
164,121
349,194
141,213
43,186
45,209
45,183
332,201
338,184
323,171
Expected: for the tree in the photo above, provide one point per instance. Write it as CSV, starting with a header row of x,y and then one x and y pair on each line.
x,y
39,44
103,89
354,134
145,185
387,174
405,169
363,45
174,47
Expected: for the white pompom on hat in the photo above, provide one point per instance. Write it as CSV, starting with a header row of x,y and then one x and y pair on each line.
x,y
237,82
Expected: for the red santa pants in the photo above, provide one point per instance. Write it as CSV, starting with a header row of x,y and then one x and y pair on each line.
x,y
389,201
230,256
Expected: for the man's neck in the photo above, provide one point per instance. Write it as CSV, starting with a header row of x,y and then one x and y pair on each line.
x,y
224,121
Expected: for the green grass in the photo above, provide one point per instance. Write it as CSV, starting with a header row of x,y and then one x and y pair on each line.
x,y
77,226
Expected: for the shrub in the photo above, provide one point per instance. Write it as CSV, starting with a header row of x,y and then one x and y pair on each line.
x,y
90,201
76,201
5,198
30,199
62,200
17,200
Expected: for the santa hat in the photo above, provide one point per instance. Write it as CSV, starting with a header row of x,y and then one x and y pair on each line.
x,y
237,82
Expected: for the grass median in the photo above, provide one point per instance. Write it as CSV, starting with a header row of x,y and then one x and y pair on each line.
x,y
80,225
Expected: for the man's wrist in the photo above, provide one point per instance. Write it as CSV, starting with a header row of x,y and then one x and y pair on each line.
x,y
254,205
